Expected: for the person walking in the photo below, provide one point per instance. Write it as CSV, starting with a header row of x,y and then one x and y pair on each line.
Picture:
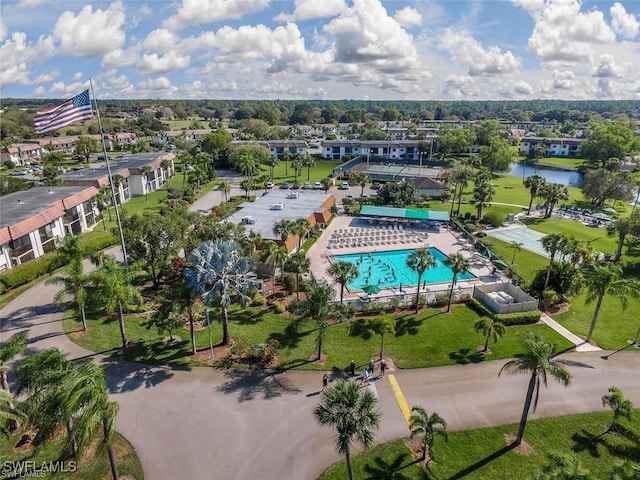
x,y
372,366
325,380
365,376
352,368
383,367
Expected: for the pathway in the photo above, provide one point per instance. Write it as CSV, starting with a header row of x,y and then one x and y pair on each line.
x,y
581,345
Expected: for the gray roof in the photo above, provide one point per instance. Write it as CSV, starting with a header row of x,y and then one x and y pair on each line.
x,y
136,160
19,206
308,202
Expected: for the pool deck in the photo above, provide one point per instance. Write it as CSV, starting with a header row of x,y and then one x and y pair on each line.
x,y
444,240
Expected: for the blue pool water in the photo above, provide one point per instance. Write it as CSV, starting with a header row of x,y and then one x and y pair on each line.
x,y
389,269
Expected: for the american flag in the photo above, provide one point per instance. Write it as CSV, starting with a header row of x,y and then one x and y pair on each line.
x,y
69,112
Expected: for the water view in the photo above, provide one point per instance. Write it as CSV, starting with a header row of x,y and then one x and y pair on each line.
x,y
552,175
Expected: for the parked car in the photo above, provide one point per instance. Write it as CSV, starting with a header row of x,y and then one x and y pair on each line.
x,y
365,195
17,173
318,186
350,197
295,185
306,186
269,185
375,186
284,186
344,186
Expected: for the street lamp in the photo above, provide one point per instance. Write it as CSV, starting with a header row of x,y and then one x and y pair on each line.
x,y
208,316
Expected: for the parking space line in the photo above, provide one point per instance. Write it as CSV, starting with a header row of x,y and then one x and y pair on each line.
x,y
402,401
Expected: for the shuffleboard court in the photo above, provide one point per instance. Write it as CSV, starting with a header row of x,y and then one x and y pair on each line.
x,y
530,239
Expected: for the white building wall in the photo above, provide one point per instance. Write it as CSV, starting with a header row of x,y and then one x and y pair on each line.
x,y
5,257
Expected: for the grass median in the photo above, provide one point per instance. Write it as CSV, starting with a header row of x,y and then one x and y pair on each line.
x,y
480,454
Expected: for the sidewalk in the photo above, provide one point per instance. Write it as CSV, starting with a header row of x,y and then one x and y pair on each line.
x,y
581,345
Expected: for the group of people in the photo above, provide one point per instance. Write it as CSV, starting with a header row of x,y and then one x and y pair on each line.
x,y
367,373
392,271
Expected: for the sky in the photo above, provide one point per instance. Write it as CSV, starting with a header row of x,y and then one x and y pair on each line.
x,y
321,49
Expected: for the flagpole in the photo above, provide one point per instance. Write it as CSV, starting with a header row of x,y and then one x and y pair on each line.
x,y
113,188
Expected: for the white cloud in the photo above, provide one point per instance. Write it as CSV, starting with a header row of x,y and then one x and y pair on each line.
x,y
408,17
39,91
46,77
195,12
308,9
160,40
464,48
15,74
3,30
91,33
607,67
30,3
77,76
623,23
120,58
516,89
16,53
154,63
563,33
63,90
563,80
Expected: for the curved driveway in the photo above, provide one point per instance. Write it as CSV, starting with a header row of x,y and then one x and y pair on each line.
x,y
211,424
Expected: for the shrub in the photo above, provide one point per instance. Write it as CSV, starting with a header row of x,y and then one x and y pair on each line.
x,y
99,243
259,301
394,303
27,272
549,297
441,300
492,218
278,307
10,164
290,283
470,227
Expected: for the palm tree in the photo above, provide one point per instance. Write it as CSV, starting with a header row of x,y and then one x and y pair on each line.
x,y
286,158
482,195
118,180
608,279
75,283
301,227
247,164
103,200
534,183
297,165
343,273
326,184
164,165
517,246
218,272
146,170
381,325
564,467
271,162
458,263
428,426
283,228
9,409
84,401
298,263
419,261
621,406
552,193
352,411
552,243
70,249
225,186
308,161
538,362
274,255
113,290
12,347
248,184
624,227
490,328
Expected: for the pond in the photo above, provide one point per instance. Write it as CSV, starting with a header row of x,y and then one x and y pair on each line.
x,y
564,177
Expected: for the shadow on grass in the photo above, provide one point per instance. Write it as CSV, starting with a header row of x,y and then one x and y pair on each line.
x,y
295,363
289,338
408,325
465,356
249,384
629,450
246,318
159,352
383,470
481,463
585,440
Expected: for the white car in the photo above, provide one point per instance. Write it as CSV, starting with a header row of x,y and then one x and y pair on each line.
x,y
318,186
344,186
269,184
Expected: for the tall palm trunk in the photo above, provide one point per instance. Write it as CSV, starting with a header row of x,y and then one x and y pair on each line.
x,y
84,318
460,199
225,326
594,319
112,463
418,293
3,379
530,205
486,343
121,324
347,457
341,293
546,280
618,254
192,333
453,282
525,410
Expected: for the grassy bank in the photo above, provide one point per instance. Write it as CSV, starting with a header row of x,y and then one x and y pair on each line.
x,y
481,454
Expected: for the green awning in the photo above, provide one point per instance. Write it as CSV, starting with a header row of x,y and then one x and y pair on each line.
x,y
404,213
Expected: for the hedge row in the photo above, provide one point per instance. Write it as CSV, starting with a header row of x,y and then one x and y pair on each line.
x,y
34,269
508,319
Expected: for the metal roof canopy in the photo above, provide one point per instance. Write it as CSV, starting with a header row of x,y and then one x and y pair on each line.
x,y
406,213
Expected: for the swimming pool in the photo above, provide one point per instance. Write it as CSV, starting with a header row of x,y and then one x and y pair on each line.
x,y
389,269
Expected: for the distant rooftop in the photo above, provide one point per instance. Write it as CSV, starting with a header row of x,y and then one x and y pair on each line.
x,y
264,217
136,160
19,206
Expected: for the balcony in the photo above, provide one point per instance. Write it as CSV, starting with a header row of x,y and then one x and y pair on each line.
x,y
19,251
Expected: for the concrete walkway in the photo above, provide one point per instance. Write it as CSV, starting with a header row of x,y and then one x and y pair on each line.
x,y
581,345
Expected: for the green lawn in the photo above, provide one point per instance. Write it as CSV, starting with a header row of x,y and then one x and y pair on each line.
x,y
321,169
527,263
481,454
561,162
184,124
429,339
88,468
597,237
